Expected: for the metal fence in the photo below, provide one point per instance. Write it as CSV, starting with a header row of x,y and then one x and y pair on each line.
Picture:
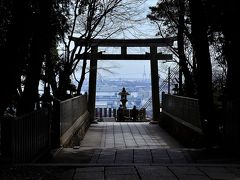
x,y
26,137
184,108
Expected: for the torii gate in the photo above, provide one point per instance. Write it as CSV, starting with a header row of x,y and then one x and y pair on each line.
x,y
153,56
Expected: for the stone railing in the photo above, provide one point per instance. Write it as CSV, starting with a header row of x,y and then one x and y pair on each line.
x,y
185,108
181,117
74,118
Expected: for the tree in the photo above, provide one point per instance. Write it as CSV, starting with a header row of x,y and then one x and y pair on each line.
x,y
172,18
39,45
17,32
33,25
204,68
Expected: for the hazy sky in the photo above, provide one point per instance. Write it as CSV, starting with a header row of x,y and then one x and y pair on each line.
x,y
125,69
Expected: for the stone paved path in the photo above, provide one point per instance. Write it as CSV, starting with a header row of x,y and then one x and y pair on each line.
x,y
127,135
124,143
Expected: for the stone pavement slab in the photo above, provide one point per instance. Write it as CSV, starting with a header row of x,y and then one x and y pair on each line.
x,y
142,156
188,173
124,156
160,156
219,173
126,173
89,173
155,173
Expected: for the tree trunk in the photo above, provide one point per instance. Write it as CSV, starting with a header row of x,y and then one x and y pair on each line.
x,y
64,82
82,77
30,95
189,88
204,68
51,77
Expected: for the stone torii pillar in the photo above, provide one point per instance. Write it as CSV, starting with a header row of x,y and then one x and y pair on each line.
x,y
92,82
155,84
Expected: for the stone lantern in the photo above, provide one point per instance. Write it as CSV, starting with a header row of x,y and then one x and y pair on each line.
x,y
123,99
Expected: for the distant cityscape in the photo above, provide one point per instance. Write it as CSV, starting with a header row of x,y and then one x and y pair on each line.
x,y
107,92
